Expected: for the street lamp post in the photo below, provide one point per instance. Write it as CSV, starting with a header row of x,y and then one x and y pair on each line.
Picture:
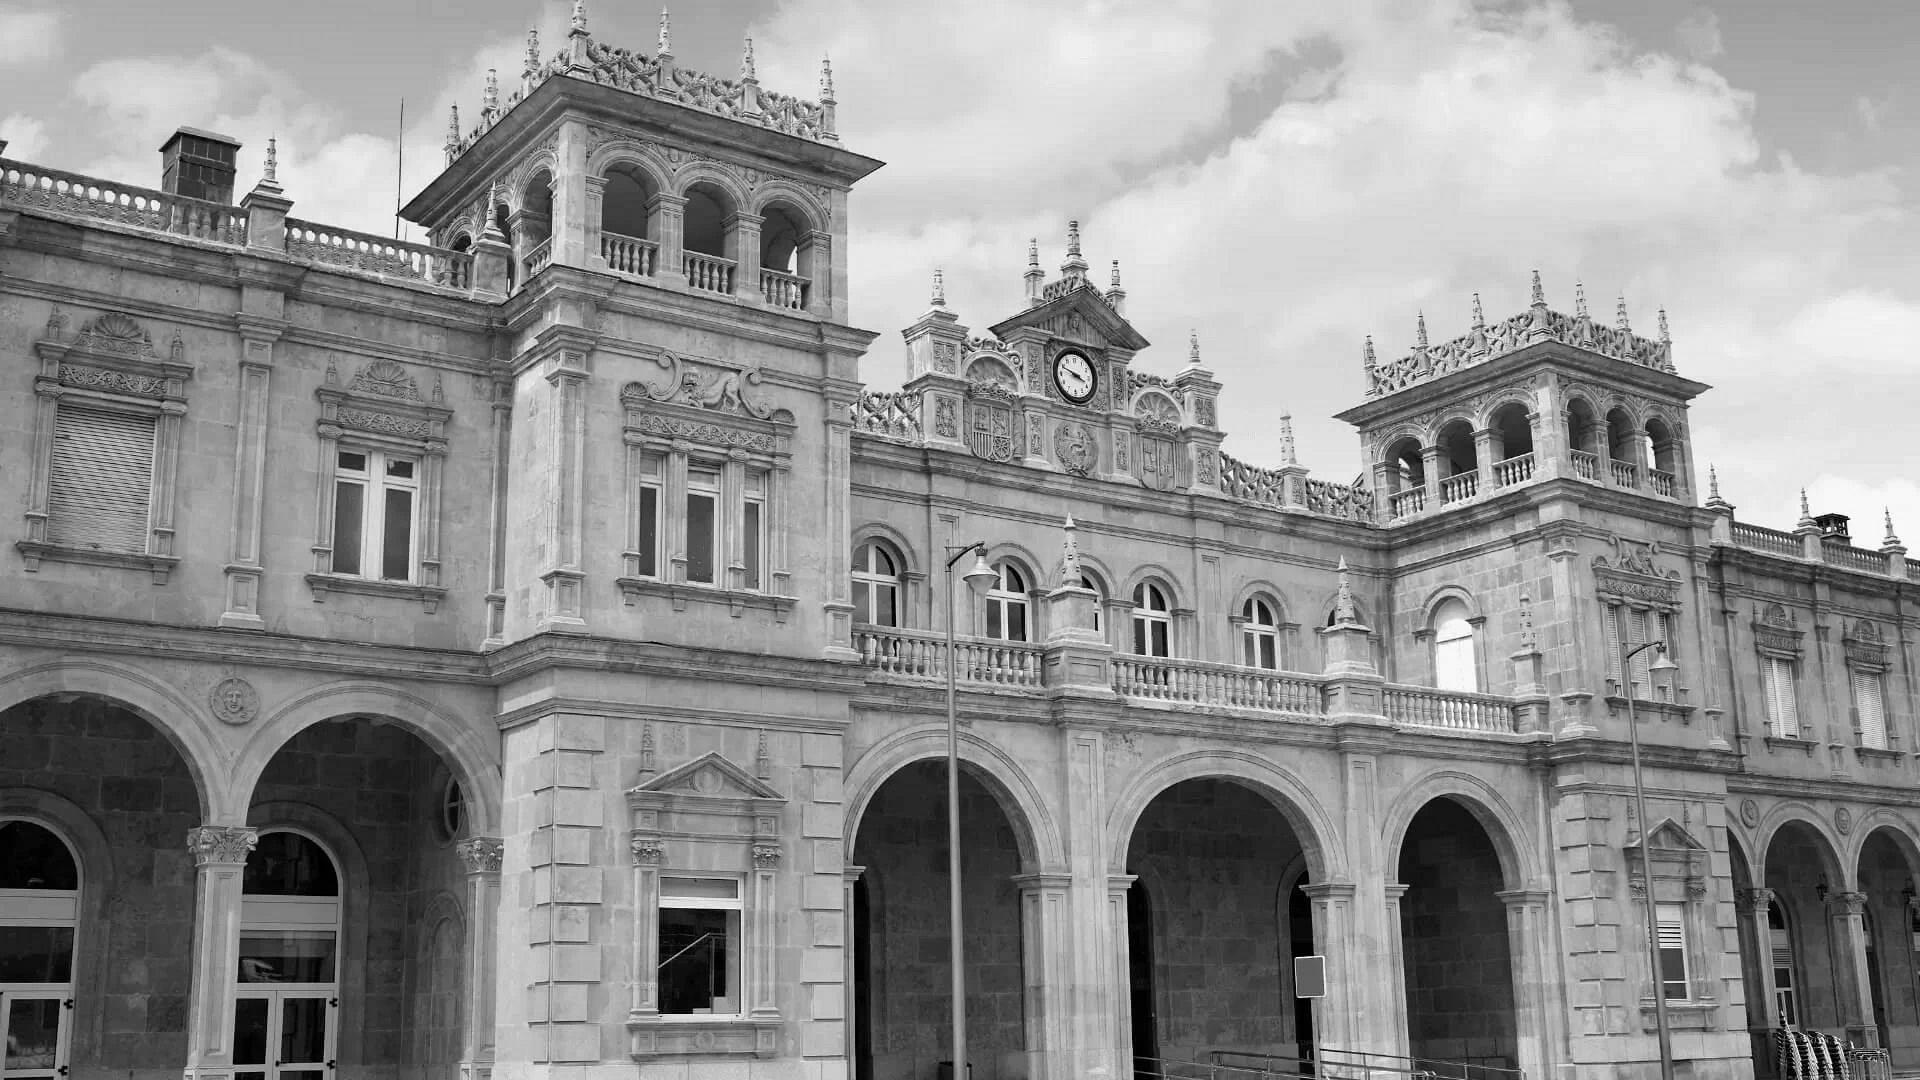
x,y
1660,665
978,579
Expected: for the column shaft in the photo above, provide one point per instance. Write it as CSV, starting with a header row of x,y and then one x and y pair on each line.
x,y
220,857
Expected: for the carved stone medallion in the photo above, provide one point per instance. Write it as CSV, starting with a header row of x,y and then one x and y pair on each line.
x,y
1749,813
1074,449
1843,820
234,701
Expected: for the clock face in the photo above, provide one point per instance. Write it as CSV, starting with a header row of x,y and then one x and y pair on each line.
x,y
1074,375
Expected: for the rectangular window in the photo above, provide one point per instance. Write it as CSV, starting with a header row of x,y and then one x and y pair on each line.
x,y
1614,647
1782,948
1672,939
647,530
375,497
1869,703
1783,714
100,489
1453,665
1261,648
700,946
753,540
703,500
1641,675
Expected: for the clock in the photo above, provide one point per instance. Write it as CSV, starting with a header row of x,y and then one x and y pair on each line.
x,y
1074,375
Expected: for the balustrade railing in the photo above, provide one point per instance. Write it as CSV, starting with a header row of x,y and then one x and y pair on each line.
x,y
1586,466
538,258
1515,470
1625,474
1772,541
1199,683
922,655
1662,482
1853,558
74,195
783,290
1459,487
629,255
370,254
1408,502
1450,709
708,273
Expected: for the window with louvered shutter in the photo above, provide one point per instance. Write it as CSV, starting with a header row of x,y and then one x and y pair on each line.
x,y
1671,932
1783,716
1782,951
1870,704
100,489
1613,645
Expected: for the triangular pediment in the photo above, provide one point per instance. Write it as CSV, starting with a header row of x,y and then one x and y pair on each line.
x,y
712,777
1081,315
1669,836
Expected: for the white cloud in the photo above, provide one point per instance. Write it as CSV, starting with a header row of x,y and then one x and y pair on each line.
x,y
26,136
1699,35
28,35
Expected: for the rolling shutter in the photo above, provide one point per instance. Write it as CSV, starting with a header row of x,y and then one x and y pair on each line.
x,y
101,485
1868,703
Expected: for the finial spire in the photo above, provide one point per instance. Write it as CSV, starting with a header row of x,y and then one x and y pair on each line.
x,y
1579,300
1286,440
1073,238
533,50
1075,267
1114,281
1069,555
1892,541
1713,482
490,97
1420,331
1806,514
665,45
1539,293
1343,612
826,78
1193,347
453,129
273,160
1479,319
1367,355
1665,337
1033,253
746,60
939,288
1620,315
579,16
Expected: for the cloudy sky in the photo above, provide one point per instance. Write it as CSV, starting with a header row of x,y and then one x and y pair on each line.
x,y
1284,177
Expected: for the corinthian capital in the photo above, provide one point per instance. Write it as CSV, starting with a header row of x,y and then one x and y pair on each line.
x,y
481,854
221,845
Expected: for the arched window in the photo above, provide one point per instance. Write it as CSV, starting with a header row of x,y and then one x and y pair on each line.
x,y
451,821
876,585
39,913
1099,599
1780,945
1259,634
1007,605
1152,622
287,1001
1453,660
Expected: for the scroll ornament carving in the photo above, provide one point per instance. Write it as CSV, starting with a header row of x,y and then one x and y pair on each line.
x,y
117,333
766,856
1865,646
113,382
1775,629
704,386
481,854
221,845
1203,411
945,358
385,378
1636,577
1074,448
647,851
710,434
385,423
234,701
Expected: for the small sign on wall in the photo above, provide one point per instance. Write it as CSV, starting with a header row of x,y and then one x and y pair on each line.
x,y
1310,976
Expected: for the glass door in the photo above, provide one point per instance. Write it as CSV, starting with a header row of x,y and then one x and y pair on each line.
x,y
34,1034
283,1035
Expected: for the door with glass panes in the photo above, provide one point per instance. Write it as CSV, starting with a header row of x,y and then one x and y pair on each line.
x,y
39,915
287,1001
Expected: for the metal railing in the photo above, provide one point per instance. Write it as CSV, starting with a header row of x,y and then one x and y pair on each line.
x,y
1360,1065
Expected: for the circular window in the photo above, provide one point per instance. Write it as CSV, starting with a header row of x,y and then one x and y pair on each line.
x,y
453,811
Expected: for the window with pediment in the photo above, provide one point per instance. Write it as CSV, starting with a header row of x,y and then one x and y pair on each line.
x,y
705,841
383,449
1776,638
106,447
1682,915
1156,422
1866,653
708,465
1640,603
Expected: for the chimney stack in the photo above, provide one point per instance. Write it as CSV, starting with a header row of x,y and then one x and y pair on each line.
x,y
199,165
1835,527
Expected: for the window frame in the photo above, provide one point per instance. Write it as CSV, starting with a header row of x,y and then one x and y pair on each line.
x,y
271,913
736,906
1144,619
1002,600
667,441
1254,633
1773,670
1449,647
1858,674
380,412
868,581
376,481
61,909
1674,915
111,365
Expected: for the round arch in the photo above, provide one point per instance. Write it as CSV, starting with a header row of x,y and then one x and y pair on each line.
x,y
1097,571
1443,594
1034,828
627,154
1252,587
705,172
1024,560
92,939
1479,798
350,865
1400,434
156,702
894,539
793,200
472,759
1786,814
1177,597
1899,830
1520,396
1310,822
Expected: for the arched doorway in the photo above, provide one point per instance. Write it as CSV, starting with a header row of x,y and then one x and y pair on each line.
x,y
1454,941
1802,873
1212,970
1886,877
285,1018
39,916
905,985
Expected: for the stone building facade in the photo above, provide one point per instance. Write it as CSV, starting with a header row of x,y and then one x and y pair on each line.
x,y
521,655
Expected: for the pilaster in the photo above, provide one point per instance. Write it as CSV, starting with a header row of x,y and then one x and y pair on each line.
x,y
220,858
244,569
838,607
1535,1006
1853,985
1756,940
1046,965
743,232
1333,930
481,855
563,922
569,224
560,356
1094,982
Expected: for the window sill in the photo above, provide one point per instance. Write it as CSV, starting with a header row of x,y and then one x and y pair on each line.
x,y
681,593
34,552
1782,742
1876,753
1671,710
429,596
654,1036
1695,1015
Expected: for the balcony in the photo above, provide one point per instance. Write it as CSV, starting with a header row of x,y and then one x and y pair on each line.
x,y
1625,474
1407,503
708,273
1514,470
917,657
1459,487
1586,466
783,290
629,255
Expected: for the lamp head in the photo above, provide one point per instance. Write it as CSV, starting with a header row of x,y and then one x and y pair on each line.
x,y
982,577
1662,663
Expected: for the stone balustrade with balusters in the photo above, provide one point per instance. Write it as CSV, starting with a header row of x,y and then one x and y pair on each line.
x,y
629,255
